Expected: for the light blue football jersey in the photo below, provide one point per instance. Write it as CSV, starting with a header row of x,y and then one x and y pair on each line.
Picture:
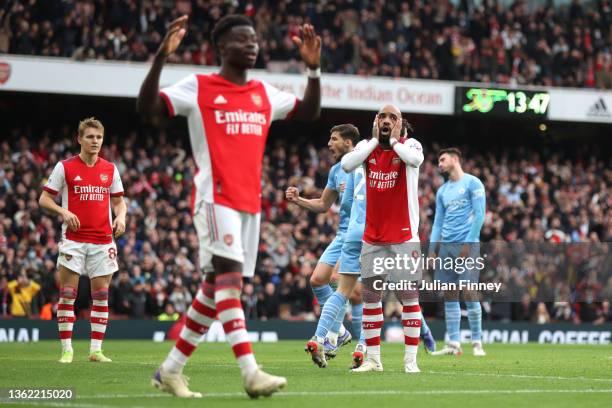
x,y
355,196
460,210
336,180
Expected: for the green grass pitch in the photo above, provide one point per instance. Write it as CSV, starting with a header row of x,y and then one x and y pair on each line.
x,y
511,375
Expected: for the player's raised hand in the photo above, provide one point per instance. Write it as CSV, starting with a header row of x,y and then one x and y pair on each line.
x,y
119,226
396,131
375,132
292,194
175,34
309,45
71,220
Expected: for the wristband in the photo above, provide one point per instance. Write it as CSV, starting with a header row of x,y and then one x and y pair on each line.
x,y
313,73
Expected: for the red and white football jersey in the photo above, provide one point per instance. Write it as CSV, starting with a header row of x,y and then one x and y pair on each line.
x,y
228,127
392,203
86,192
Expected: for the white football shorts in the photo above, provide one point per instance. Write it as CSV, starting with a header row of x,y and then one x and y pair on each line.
x,y
227,233
87,259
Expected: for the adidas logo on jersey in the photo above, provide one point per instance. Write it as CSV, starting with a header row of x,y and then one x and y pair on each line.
x,y
78,178
372,161
599,109
220,100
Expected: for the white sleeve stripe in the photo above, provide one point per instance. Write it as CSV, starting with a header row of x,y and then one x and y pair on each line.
x,y
181,97
56,180
117,185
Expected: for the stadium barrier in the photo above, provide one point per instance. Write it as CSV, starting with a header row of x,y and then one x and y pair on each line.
x,y
25,330
123,79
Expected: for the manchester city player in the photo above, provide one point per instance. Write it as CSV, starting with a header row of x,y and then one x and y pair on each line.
x,y
460,213
341,141
350,270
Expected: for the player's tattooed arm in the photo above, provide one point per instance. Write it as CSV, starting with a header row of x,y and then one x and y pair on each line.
x,y
149,102
309,45
47,202
318,205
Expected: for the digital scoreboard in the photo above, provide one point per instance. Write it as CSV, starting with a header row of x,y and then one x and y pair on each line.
x,y
502,102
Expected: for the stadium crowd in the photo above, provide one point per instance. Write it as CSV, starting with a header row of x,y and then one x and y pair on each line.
x,y
531,196
485,41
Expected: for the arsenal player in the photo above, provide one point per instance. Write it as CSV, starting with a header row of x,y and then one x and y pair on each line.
x,y
229,117
89,187
391,163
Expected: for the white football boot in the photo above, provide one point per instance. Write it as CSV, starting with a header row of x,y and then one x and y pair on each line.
x,y
369,365
410,365
259,383
477,349
176,384
449,349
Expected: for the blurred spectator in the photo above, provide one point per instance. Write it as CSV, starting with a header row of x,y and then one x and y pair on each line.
x,y
249,301
23,291
516,42
268,302
533,195
541,314
139,300
5,297
121,292
180,297
169,314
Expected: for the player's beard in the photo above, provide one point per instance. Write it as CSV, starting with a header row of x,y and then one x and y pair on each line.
x,y
385,137
385,134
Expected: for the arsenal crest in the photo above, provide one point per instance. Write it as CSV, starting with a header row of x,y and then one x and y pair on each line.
x,y
228,239
256,98
396,160
104,178
5,72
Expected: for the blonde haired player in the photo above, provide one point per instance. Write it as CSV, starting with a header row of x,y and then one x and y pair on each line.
x,y
89,187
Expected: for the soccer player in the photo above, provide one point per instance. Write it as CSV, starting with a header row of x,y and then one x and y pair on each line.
x,y
341,141
229,118
90,187
460,212
391,166
349,268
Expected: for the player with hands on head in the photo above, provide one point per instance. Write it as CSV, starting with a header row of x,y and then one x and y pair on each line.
x,y
391,168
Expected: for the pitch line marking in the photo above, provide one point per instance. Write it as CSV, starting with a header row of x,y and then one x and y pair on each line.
x,y
366,392
535,377
428,392
76,404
